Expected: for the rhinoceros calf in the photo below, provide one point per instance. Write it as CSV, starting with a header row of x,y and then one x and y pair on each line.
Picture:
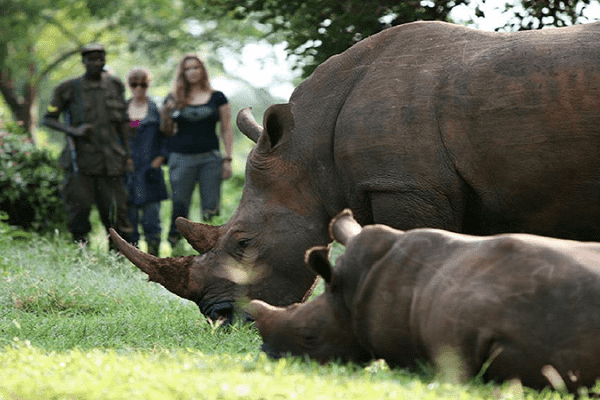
x,y
520,302
423,125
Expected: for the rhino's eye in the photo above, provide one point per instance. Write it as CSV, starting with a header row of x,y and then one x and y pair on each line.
x,y
240,246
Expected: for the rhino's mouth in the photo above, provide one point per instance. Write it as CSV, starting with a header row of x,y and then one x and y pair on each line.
x,y
221,312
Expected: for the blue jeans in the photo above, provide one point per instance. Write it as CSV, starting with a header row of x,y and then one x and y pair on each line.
x,y
150,220
184,171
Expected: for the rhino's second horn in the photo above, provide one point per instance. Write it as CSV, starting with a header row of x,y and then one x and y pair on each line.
x,y
201,237
172,273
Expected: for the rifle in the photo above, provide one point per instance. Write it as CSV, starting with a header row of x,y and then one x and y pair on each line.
x,y
69,131
73,154
67,127
79,117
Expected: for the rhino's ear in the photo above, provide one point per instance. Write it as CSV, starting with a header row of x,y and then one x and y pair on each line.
x,y
278,120
317,259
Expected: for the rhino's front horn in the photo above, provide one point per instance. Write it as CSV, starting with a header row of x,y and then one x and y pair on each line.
x,y
172,273
248,125
344,227
201,237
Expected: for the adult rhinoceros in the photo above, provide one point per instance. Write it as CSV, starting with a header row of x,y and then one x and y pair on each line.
x,y
427,124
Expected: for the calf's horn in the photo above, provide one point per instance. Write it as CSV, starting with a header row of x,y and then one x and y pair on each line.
x,y
172,273
248,125
201,237
344,227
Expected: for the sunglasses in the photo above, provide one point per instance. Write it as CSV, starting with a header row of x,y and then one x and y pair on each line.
x,y
135,84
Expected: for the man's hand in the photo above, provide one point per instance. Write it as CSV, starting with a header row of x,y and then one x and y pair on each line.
x,y
129,166
82,130
170,104
157,162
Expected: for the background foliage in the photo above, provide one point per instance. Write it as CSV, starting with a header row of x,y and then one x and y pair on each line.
x,y
29,182
40,39
318,29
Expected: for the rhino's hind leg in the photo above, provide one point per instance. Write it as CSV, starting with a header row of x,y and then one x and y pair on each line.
x,y
507,361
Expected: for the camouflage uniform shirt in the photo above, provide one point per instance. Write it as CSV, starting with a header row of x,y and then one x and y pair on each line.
x,y
100,103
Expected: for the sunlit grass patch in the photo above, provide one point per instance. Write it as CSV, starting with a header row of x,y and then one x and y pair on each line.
x,y
53,302
190,374
83,323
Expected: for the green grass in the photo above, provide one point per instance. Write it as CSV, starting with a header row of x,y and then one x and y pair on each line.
x,y
189,374
82,323
85,324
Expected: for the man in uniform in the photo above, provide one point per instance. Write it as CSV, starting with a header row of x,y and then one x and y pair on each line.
x,y
97,152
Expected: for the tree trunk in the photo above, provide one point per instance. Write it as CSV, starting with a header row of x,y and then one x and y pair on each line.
x,y
21,107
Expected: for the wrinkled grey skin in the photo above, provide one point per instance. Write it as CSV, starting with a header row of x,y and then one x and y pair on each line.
x,y
426,124
520,301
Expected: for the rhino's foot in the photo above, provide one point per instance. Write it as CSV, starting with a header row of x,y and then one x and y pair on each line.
x,y
270,352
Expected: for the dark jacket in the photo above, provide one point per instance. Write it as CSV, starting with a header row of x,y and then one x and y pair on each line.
x,y
146,184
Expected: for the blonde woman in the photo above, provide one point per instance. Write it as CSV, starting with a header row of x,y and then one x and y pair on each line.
x,y
146,184
190,116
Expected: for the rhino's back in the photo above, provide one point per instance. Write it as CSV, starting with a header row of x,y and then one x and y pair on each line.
x,y
495,132
473,92
534,300
521,126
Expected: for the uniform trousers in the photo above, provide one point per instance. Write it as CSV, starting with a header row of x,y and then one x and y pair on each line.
x,y
80,192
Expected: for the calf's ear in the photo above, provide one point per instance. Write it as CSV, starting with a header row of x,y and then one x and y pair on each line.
x,y
317,259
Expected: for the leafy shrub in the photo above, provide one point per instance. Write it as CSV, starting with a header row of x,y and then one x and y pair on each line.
x,y
29,182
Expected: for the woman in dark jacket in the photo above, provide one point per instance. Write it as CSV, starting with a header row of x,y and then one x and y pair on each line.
x,y
146,184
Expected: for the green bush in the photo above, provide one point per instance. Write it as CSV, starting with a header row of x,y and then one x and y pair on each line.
x,y
29,182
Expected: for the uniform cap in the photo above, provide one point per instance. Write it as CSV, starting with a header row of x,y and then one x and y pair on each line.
x,y
92,47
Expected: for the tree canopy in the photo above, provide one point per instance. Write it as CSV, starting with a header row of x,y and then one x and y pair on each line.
x,y
318,29
37,36
40,39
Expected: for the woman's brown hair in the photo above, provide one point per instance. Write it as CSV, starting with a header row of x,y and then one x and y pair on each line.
x,y
181,87
139,74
